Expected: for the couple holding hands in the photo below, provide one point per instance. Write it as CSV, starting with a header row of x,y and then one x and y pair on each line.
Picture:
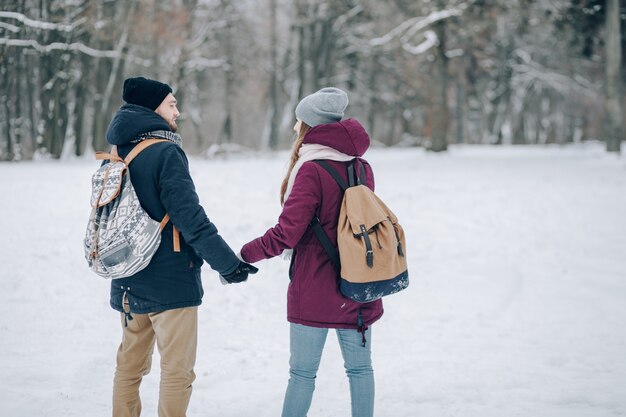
x,y
160,302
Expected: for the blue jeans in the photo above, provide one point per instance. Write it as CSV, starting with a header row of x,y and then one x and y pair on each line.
x,y
307,344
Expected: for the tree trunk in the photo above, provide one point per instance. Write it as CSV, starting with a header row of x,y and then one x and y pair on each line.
x,y
373,93
32,95
440,98
102,72
461,102
6,84
273,107
47,80
229,76
301,20
19,117
614,126
81,103
59,115
100,118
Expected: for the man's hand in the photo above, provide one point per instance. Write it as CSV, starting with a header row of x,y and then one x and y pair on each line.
x,y
240,274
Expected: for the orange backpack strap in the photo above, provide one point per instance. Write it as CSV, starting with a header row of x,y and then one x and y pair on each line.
x,y
164,221
101,156
114,156
140,147
176,240
176,235
131,155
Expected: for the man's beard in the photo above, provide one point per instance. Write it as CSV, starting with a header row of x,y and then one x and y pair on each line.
x,y
172,124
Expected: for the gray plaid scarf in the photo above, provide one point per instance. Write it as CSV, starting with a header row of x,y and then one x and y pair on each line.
x,y
160,134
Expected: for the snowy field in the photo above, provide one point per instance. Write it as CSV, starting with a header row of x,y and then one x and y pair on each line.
x,y
517,302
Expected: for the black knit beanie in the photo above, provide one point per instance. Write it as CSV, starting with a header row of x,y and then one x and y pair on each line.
x,y
145,92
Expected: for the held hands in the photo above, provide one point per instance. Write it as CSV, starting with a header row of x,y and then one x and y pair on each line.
x,y
240,274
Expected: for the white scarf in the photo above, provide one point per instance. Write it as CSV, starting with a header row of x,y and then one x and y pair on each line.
x,y
309,152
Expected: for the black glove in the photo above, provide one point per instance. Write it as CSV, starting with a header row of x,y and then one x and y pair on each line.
x,y
240,274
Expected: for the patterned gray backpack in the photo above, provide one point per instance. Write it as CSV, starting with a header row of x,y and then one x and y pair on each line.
x,y
121,237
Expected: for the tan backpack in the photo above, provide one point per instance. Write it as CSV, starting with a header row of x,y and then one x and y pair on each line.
x,y
372,247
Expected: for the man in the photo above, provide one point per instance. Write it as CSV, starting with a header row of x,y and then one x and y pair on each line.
x,y
160,303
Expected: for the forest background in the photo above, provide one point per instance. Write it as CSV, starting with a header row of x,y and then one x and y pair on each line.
x,y
418,72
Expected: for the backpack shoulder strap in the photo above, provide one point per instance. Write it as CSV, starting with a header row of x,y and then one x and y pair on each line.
x,y
111,156
316,226
361,177
175,236
331,251
354,177
131,155
140,147
340,181
114,156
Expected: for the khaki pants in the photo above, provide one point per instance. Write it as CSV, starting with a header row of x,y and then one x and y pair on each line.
x,y
175,332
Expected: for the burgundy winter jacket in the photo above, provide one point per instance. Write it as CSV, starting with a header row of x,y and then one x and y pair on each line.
x,y
313,297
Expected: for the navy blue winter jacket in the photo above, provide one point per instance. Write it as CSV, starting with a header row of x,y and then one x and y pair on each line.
x,y
160,176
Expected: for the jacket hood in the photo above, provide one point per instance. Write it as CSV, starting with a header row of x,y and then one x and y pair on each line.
x,y
131,121
347,136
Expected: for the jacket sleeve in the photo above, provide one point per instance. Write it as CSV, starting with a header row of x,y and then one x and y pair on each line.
x,y
178,195
298,211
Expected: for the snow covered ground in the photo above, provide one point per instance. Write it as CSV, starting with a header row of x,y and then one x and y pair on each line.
x,y
517,303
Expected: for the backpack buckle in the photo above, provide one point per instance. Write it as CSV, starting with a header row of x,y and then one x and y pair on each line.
x,y
369,258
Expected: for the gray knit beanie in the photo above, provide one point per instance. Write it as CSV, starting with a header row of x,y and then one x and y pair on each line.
x,y
324,106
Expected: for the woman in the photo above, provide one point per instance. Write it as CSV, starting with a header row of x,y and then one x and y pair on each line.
x,y
314,303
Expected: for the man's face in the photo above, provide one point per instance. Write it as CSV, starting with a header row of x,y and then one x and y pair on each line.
x,y
168,110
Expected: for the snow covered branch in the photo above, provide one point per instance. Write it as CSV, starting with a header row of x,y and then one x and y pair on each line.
x,y
204,31
37,24
563,84
59,46
529,71
9,27
200,63
430,41
409,28
341,20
